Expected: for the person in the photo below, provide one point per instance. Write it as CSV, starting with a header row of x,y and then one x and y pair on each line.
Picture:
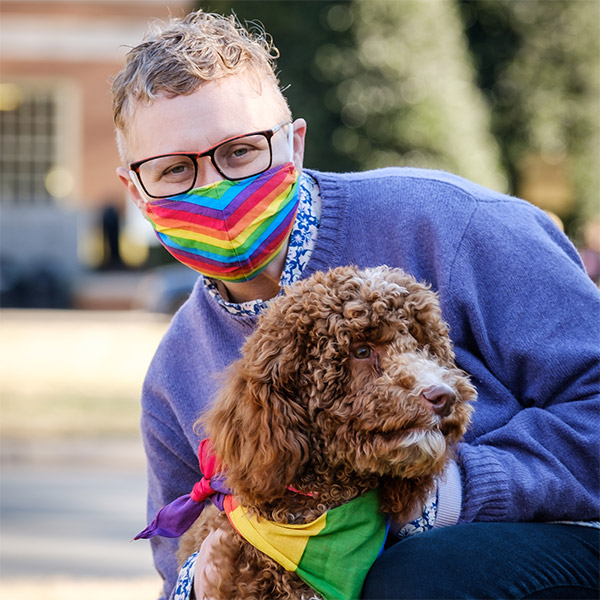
x,y
214,160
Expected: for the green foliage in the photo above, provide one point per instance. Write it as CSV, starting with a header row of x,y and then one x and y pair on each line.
x,y
539,65
406,91
299,28
380,82
477,87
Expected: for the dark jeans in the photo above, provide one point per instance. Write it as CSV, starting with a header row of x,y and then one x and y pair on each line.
x,y
490,561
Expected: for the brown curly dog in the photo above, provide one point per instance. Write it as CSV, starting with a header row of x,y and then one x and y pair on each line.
x,y
348,384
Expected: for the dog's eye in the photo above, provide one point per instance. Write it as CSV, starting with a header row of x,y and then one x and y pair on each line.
x,y
361,352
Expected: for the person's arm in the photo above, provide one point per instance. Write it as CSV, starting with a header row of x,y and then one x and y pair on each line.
x,y
527,314
171,473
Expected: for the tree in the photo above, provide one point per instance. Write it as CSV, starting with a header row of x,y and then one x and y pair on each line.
x,y
503,92
299,28
539,65
406,91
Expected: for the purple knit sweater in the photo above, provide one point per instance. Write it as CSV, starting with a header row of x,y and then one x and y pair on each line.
x,y
523,317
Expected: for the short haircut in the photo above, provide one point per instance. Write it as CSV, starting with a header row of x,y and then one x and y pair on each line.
x,y
175,58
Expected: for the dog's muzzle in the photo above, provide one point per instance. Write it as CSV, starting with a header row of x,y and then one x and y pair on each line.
x,y
441,398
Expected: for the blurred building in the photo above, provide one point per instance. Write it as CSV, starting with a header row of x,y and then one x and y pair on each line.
x,y
60,200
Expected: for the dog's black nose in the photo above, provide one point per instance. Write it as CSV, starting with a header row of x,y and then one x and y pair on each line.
x,y
441,397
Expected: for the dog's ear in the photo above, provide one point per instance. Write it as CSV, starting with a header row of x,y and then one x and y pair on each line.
x,y
258,426
425,322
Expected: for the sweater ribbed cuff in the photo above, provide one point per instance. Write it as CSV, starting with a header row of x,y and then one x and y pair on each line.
x,y
485,490
449,497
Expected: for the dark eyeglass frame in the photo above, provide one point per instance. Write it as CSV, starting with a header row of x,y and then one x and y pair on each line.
x,y
194,156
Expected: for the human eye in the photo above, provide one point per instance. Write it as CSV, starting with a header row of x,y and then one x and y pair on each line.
x,y
168,169
176,170
242,152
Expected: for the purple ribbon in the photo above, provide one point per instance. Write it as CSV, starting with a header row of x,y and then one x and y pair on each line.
x,y
176,518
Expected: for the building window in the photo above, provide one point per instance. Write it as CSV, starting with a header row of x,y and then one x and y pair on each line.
x,y
31,168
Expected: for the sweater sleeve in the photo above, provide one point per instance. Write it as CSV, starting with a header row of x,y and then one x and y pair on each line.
x,y
525,325
180,385
169,476
169,410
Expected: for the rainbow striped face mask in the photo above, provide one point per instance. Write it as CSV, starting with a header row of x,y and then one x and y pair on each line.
x,y
229,230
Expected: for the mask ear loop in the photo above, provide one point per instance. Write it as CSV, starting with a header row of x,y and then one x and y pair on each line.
x,y
138,186
291,141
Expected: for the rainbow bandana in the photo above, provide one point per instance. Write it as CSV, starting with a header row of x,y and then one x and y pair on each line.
x,y
229,230
333,554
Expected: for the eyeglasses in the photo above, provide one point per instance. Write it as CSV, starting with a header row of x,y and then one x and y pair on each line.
x,y
239,157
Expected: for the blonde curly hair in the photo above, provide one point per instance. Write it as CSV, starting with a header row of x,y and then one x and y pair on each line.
x,y
177,57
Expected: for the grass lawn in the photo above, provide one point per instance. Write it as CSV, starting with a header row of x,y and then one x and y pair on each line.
x,y
89,589
74,372
74,377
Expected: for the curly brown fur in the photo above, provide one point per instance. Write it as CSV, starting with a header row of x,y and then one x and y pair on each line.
x,y
244,571
347,384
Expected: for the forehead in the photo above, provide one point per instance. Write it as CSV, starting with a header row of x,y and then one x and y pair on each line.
x,y
345,300
217,110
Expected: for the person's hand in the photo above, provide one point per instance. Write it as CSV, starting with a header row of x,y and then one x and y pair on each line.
x,y
205,568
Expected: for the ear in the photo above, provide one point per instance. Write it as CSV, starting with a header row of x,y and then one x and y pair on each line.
x,y
425,321
299,140
125,178
258,426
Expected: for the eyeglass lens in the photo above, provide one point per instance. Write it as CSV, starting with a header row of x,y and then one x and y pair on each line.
x,y
175,174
